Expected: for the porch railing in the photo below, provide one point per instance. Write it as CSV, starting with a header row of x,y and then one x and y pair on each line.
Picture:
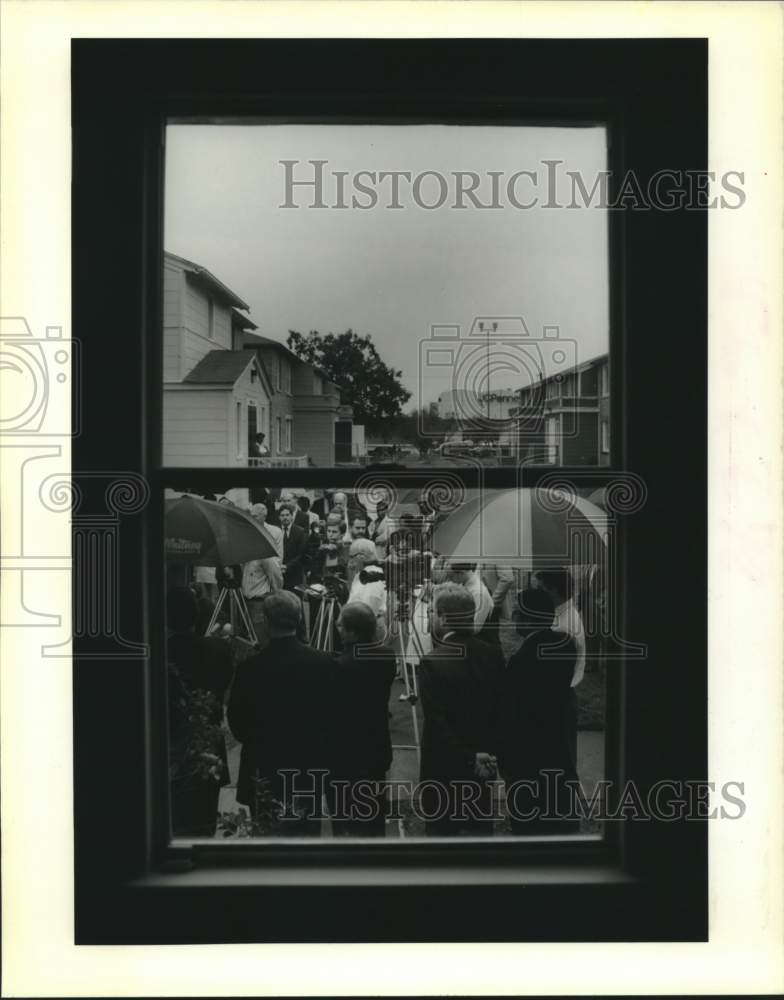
x,y
279,462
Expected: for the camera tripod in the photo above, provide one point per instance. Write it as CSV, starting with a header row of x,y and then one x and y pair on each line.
x,y
410,643
323,631
237,604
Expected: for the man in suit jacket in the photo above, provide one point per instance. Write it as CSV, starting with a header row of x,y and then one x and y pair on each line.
x,y
303,518
294,545
461,685
280,711
361,752
538,752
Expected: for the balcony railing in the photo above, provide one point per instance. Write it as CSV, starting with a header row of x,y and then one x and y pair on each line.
x,y
279,462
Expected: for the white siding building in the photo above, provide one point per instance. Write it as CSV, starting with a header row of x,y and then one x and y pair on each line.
x,y
215,399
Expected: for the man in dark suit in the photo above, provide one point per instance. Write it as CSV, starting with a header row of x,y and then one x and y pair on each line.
x,y
361,751
294,545
538,752
280,711
302,515
461,687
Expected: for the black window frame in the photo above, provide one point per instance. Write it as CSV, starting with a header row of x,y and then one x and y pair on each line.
x,y
650,881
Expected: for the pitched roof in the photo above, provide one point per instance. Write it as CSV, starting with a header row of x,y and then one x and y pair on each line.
x,y
242,321
201,272
220,368
269,342
259,341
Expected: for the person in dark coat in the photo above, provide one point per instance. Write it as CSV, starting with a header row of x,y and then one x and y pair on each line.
x,y
331,558
279,710
302,517
199,674
461,685
361,752
294,548
539,708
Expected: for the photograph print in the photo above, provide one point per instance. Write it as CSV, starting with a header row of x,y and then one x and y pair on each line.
x,y
416,412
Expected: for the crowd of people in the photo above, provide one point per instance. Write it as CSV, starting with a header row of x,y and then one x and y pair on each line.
x,y
314,725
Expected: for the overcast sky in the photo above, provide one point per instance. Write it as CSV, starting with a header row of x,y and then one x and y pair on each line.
x,y
393,273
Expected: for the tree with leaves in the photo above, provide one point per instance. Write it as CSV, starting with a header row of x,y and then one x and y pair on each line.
x,y
372,388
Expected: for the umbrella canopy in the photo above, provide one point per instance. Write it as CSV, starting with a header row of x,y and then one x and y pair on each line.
x,y
530,528
212,534
599,497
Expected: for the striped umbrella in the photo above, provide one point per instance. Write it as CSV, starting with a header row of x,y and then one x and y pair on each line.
x,y
212,534
535,528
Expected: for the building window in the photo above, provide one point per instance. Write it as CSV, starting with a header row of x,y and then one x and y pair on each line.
x,y
238,429
551,440
605,433
253,428
277,435
286,376
210,318
289,422
604,380
106,825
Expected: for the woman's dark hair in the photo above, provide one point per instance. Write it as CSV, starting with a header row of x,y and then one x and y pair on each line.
x,y
303,503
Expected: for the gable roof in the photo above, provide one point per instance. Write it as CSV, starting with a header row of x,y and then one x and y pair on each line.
x,y
269,342
220,368
208,278
257,340
241,321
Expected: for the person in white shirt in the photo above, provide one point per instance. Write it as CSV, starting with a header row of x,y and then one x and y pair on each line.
x,y
258,511
261,577
378,530
558,584
260,450
466,575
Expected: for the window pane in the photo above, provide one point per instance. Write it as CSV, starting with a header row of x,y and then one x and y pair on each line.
x,y
434,653
438,289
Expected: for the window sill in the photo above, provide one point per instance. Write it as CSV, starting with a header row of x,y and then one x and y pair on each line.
x,y
364,876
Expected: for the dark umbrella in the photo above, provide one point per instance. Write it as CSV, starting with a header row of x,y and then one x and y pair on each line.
x,y
212,534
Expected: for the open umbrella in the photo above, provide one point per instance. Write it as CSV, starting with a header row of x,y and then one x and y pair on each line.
x,y
599,497
212,534
531,528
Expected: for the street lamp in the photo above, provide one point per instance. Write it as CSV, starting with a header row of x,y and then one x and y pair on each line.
x,y
491,328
